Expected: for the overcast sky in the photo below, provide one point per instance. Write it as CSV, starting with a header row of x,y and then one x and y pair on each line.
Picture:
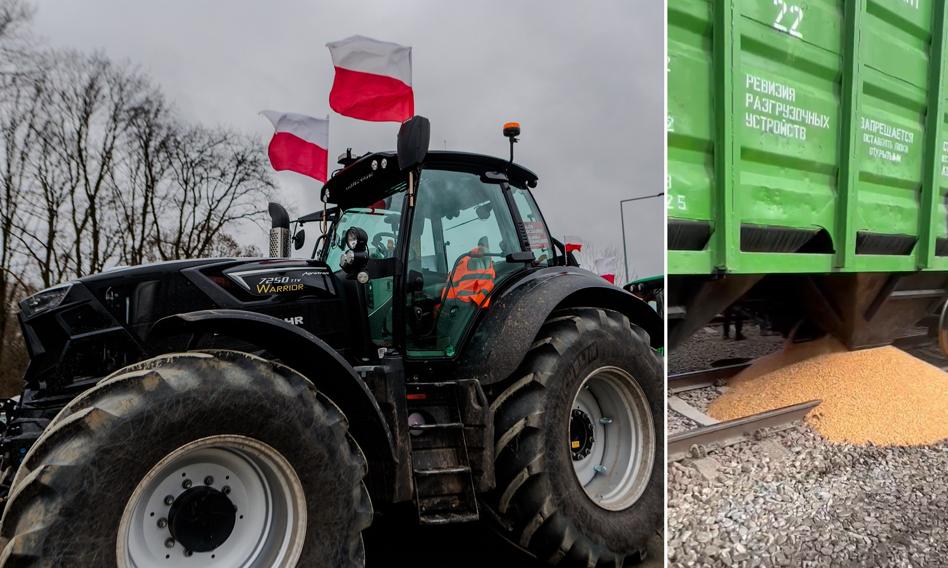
x,y
584,80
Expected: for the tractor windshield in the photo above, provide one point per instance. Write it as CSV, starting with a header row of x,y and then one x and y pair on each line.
x,y
380,221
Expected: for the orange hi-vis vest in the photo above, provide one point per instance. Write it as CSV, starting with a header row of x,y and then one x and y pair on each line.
x,y
472,282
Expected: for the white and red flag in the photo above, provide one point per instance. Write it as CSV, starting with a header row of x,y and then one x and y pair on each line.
x,y
373,80
606,267
300,143
572,243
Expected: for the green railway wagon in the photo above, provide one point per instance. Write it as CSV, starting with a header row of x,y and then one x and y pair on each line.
x,y
808,165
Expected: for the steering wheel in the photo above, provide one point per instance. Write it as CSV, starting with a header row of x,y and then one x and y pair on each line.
x,y
377,243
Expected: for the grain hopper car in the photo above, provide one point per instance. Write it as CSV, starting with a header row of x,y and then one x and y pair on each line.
x,y
808,165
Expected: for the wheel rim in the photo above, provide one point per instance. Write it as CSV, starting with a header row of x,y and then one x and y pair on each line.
x,y
219,501
612,438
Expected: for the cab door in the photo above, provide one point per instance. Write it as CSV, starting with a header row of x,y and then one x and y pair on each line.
x,y
461,234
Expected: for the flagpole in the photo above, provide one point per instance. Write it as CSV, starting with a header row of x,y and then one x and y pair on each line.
x,y
625,246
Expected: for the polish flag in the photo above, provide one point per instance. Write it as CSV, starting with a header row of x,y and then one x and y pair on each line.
x,y
373,80
606,267
572,243
300,144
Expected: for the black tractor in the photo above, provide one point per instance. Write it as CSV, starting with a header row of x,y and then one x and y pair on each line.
x,y
439,348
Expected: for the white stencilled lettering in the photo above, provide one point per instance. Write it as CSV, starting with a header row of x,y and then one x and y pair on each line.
x,y
789,18
885,141
769,106
678,202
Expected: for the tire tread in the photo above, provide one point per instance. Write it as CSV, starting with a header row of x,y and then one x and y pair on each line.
x,y
526,486
34,497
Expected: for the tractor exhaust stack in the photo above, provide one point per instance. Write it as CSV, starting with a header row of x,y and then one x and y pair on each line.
x,y
279,231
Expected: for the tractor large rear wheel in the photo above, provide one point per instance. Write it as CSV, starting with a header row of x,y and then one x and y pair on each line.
x,y
579,453
195,459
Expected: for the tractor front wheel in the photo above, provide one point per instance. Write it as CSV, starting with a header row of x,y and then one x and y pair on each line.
x,y
195,459
579,453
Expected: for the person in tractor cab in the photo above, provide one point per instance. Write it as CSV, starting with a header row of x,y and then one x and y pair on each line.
x,y
467,290
473,279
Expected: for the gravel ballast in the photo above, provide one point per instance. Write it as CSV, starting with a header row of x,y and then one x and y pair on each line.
x,y
819,505
706,346
795,498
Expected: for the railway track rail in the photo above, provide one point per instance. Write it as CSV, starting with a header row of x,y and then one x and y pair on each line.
x,y
713,434
701,379
694,443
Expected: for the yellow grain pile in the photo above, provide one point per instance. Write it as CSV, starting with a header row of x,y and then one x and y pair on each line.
x,y
884,395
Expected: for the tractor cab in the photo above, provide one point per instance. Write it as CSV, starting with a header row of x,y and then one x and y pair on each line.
x,y
424,242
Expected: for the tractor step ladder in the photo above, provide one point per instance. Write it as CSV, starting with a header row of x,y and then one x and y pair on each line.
x,y
441,468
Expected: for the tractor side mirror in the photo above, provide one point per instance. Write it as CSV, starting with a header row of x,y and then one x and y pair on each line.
x,y
299,239
413,137
416,281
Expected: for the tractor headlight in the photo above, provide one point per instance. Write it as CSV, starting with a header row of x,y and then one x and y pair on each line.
x,y
46,300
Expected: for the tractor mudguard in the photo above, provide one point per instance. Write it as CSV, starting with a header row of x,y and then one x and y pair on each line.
x,y
303,352
505,332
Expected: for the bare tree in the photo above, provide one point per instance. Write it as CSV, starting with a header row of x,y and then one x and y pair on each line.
x,y
14,17
96,169
46,200
18,111
139,182
91,100
119,179
226,246
218,179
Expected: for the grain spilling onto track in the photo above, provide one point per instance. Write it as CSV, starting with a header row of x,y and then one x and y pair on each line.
x,y
882,396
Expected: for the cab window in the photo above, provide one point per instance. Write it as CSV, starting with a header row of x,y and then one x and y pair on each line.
x,y
381,222
537,234
461,234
